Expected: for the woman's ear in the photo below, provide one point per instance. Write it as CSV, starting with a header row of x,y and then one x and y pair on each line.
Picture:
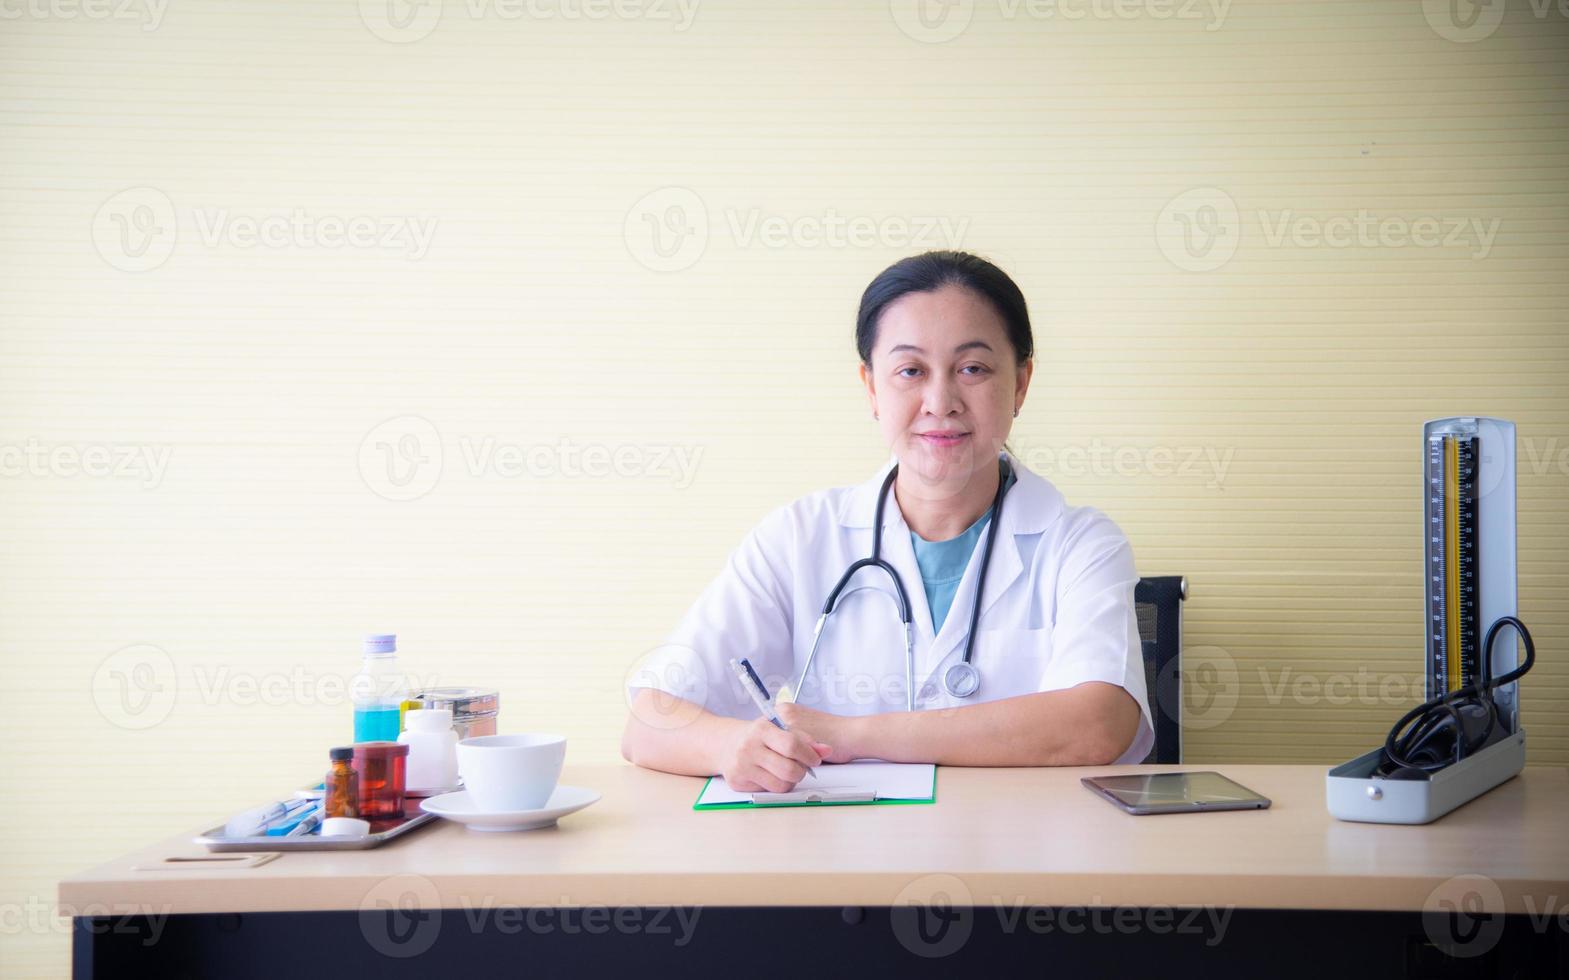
x,y
1022,383
871,388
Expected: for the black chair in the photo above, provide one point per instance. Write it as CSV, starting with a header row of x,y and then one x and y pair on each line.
x,y
1158,603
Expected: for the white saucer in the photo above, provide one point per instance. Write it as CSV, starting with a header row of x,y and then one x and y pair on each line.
x,y
458,806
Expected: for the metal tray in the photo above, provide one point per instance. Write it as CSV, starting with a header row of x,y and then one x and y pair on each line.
x,y
216,840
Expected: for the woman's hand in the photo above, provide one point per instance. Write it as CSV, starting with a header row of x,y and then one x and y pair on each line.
x,y
764,758
837,730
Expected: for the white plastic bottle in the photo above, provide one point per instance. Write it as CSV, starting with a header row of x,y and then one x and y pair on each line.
x,y
433,750
378,691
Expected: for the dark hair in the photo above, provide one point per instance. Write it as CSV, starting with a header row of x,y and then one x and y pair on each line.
x,y
930,271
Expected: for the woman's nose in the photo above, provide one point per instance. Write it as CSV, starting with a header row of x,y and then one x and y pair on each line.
x,y
941,397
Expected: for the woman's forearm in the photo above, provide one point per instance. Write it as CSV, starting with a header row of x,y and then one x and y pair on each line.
x,y
1091,724
671,734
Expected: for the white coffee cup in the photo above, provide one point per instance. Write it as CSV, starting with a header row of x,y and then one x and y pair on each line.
x,y
504,773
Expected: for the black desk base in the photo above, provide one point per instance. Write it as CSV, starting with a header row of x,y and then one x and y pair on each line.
x,y
796,943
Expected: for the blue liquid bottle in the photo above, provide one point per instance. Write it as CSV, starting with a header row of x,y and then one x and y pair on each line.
x,y
378,691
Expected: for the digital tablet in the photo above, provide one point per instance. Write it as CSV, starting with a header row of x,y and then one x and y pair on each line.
x,y
1175,792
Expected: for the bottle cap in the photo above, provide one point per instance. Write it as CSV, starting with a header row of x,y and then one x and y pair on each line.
x,y
380,643
428,720
344,827
341,754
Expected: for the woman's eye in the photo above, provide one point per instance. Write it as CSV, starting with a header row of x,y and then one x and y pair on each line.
x,y
908,372
974,369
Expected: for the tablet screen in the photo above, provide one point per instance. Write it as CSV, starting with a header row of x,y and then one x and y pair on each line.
x,y
1168,788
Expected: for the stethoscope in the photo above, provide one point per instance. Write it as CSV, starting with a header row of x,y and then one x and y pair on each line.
x,y
961,679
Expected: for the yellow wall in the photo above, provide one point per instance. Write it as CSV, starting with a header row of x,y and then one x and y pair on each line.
x,y
223,588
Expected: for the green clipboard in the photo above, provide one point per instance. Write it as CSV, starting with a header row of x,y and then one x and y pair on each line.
x,y
782,806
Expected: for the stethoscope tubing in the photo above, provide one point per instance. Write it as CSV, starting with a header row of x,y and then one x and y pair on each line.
x,y
960,680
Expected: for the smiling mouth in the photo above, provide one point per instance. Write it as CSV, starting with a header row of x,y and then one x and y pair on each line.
x,y
944,438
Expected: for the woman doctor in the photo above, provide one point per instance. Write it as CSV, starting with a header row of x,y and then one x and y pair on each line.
x,y
1055,673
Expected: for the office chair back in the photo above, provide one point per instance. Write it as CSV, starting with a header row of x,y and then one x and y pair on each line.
x,y
1158,603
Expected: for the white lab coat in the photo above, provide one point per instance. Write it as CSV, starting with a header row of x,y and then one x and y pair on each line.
x,y
1058,610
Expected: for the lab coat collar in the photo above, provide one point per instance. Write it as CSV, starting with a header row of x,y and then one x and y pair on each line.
x,y
1031,507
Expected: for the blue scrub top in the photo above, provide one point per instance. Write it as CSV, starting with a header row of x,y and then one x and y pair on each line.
x,y
943,562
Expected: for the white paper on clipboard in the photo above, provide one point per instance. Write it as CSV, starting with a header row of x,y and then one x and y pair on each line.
x,y
885,780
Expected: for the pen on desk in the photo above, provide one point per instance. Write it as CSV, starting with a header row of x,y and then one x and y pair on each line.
x,y
759,694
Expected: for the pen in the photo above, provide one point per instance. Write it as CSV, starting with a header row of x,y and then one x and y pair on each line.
x,y
759,694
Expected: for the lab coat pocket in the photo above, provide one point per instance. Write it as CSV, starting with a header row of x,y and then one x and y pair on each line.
x,y
1011,662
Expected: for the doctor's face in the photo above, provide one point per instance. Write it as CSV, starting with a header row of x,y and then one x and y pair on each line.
x,y
944,382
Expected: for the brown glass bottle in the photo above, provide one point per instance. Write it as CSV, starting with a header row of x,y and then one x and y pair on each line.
x,y
342,796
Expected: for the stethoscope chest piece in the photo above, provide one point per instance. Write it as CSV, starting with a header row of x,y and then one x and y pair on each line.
x,y
961,680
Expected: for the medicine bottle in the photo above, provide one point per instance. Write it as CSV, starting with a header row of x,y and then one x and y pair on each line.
x,y
342,785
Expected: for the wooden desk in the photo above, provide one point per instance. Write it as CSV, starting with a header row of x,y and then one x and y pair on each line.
x,y
999,840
